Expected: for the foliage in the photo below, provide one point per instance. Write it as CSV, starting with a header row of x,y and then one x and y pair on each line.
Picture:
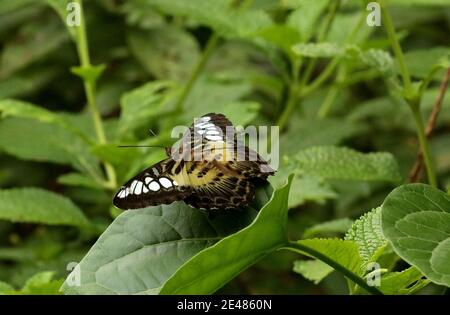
x,y
351,108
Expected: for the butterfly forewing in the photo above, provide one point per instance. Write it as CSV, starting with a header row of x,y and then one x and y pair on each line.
x,y
151,187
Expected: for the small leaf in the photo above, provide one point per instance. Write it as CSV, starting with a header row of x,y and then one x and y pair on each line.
x,y
366,232
416,221
35,205
41,283
333,226
408,281
319,50
313,270
89,73
212,268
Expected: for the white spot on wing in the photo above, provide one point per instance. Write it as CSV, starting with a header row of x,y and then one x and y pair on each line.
x,y
121,194
154,186
175,183
138,189
213,138
132,186
148,180
165,182
145,189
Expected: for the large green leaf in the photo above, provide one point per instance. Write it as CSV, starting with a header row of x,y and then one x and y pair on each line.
x,y
343,163
148,245
212,268
35,205
416,221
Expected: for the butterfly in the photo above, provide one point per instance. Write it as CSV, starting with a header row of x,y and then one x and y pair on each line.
x,y
210,169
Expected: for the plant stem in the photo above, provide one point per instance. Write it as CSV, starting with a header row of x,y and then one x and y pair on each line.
x,y
390,30
416,170
302,249
334,7
210,45
89,87
290,105
409,94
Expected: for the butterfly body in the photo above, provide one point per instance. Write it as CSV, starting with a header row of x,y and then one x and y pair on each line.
x,y
209,174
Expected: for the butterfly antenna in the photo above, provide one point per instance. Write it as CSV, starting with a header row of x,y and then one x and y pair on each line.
x,y
141,146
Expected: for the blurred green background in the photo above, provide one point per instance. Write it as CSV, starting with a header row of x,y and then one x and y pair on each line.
x,y
243,67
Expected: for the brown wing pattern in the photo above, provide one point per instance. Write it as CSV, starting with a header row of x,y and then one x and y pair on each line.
x,y
219,180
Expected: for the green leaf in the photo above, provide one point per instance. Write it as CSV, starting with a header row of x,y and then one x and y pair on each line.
x,y
366,232
408,281
42,283
35,205
313,270
60,6
33,140
306,17
334,226
16,108
343,163
38,38
378,59
280,35
212,268
344,252
318,50
5,288
20,109
416,221
143,104
420,62
77,179
89,73
149,245
227,21
226,97
166,52
315,132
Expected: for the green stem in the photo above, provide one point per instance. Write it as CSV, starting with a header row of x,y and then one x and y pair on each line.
x,y
331,95
210,45
410,96
334,7
424,145
302,249
290,106
390,30
89,87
